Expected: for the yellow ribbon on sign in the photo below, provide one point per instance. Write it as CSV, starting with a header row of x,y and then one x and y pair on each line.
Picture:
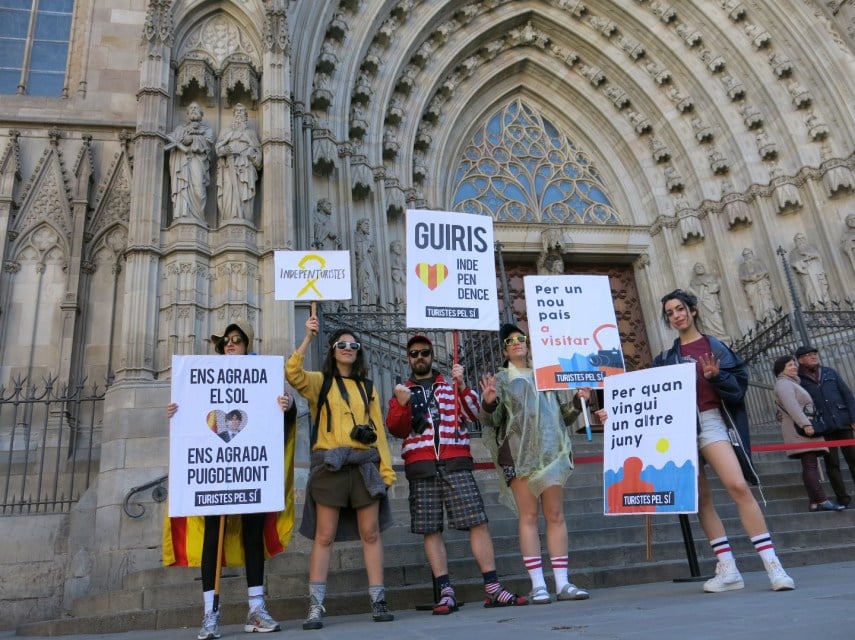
x,y
310,284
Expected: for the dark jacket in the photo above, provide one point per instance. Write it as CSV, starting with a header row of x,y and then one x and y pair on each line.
x,y
731,384
831,397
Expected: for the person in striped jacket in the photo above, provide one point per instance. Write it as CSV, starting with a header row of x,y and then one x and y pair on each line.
x,y
428,412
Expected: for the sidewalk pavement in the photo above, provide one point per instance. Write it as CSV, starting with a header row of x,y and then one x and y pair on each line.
x,y
821,607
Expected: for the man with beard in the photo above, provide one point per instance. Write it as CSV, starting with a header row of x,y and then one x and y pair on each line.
x,y
438,464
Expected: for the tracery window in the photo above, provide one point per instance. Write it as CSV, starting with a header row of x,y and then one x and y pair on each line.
x,y
520,168
34,36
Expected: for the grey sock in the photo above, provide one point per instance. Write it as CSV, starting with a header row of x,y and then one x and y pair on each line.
x,y
376,592
317,592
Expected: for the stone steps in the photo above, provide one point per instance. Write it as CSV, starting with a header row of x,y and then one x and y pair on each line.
x,y
604,551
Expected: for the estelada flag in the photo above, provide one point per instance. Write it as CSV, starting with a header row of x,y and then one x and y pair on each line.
x,y
182,537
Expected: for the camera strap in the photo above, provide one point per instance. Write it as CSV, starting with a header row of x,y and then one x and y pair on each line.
x,y
362,391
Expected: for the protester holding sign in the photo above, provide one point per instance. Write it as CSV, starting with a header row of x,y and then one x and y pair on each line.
x,y
721,382
249,537
531,447
351,466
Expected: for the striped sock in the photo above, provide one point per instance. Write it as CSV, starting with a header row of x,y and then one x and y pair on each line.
x,y
559,571
721,547
534,566
763,545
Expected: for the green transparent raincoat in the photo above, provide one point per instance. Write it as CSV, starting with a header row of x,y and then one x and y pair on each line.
x,y
533,424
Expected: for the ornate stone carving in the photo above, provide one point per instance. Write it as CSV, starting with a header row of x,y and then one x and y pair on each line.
x,y
419,166
362,92
665,12
407,79
391,146
423,53
767,149
689,34
760,38
735,207
603,25
617,96
757,285
321,95
337,28
718,162
158,22
632,46
201,72
707,286
750,116
735,9
386,33
703,133
324,234
659,150
847,242
239,161
575,7
358,122
276,35
640,122
837,176
683,102
659,73
806,262
362,179
567,56
528,36
735,89
817,130
781,65
688,219
398,269
396,201
219,39
367,268
327,59
714,61
189,165
373,58
802,98
785,192
324,152
673,179
239,72
594,75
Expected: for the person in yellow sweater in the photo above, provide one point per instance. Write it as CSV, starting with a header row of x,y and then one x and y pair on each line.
x,y
350,468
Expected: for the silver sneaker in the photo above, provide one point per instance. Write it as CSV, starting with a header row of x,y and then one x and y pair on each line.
x,y
778,577
727,578
210,626
259,620
315,617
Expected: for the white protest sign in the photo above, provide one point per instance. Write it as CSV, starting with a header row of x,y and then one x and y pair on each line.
x,y
573,332
451,271
312,275
650,450
226,447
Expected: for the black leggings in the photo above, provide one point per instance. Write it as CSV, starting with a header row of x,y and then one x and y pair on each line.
x,y
252,526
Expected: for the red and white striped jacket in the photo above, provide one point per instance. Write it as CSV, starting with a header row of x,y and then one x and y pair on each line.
x,y
453,441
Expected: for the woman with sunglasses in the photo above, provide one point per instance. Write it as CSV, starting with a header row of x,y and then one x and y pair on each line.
x,y
721,381
351,466
249,537
527,434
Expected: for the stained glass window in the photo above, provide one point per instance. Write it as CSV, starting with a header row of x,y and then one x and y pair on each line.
x,y
34,36
520,168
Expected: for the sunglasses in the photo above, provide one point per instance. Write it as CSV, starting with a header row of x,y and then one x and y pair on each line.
x,y
513,339
235,339
424,353
341,346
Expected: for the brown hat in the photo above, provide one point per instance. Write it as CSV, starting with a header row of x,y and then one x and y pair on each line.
x,y
419,337
241,325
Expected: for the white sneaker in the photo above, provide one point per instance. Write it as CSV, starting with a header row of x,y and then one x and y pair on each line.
x,y
210,626
727,578
778,577
258,620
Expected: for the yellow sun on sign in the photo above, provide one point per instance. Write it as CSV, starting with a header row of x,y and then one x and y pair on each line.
x,y
662,445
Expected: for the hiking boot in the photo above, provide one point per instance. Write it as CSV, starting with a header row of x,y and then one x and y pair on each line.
x,y
259,620
778,577
381,611
210,626
315,617
727,578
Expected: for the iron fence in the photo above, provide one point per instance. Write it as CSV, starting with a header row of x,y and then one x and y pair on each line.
x,y
49,444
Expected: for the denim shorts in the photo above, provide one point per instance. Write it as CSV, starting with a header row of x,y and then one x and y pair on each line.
x,y
713,428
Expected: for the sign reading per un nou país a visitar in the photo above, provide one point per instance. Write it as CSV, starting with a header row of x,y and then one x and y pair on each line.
x,y
573,332
451,271
312,275
226,445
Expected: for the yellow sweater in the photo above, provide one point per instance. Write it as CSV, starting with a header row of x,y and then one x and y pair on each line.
x,y
334,426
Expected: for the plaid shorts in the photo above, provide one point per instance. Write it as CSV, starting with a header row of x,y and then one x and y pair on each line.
x,y
457,491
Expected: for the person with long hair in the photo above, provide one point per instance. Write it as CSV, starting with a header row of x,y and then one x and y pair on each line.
x,y
350,468
527,434
794,401
722,381
249,537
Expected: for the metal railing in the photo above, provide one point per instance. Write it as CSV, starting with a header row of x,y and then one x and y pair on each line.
x,y
49,444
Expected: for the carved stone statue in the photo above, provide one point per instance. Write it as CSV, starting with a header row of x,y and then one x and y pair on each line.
x,y
367,269
807,264
706,287
848,241
322,228
757,284
189,165
398,268
239,159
